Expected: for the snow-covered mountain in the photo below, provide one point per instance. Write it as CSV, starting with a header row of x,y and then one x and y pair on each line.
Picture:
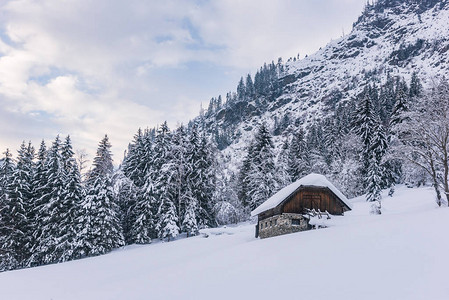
x,y
390,38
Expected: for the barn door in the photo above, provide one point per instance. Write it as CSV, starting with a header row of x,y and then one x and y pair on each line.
x,y
314,200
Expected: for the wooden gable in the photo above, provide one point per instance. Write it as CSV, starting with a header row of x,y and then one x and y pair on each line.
x,y
311,197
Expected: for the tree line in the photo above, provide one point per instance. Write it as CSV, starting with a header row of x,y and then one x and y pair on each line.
x,y
48,214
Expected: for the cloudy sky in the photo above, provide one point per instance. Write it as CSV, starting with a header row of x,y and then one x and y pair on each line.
x,y
90,67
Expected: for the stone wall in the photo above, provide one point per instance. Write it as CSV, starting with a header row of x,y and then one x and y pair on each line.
x,y
282,224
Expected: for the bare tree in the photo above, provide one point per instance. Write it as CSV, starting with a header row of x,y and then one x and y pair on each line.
x,y
82,161
424,136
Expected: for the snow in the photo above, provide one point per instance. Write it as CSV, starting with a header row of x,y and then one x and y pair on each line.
x,y
401,254
334,67
309,180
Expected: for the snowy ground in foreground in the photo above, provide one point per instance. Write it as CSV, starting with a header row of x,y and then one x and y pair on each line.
x,y
402,254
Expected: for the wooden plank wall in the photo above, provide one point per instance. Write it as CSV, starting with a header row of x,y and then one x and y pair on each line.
x,y
316,199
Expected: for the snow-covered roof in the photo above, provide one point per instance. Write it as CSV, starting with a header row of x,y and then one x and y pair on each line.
x,y
309,180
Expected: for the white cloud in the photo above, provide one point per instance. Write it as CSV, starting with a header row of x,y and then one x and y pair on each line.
x,y
93,67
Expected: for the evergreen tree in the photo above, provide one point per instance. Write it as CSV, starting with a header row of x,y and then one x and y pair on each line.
x,y
260,178
179,156
244,179
6,172
143,227
20,204
158,185
39,212
132,157
168,219
250,90
282,163
401,105
416,88
374,182
139,207
376,175
201,177
8,253
100,222
72,198
102,164
58,206
298,156
387,98
189,223
241,90
126,193
167,223
136,160
51,208
317,150
364,125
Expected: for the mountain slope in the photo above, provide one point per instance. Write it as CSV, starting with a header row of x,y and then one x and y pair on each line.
x,y
391,38
400,254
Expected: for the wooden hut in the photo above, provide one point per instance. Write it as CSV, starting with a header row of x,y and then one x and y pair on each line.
x,y
286,211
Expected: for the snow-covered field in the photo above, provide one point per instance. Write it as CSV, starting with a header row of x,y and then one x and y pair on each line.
x,y
401,254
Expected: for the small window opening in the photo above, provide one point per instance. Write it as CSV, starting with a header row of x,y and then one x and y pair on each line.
x,y
296,222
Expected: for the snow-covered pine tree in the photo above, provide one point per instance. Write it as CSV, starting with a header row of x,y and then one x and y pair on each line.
x,y
298,156
416,88
20,204
401,105
51,209
125,194
376,175
282,164
143,228
364,125
201,176
250,90
136,196
387,98
158,176
168,228
262,178
179,148
30,205
374,182
102,165
167,217
189,223
228,208
72,198
133,162
58,205
317,149
102,230
244,179
6,172
8,256
38,219
241,90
